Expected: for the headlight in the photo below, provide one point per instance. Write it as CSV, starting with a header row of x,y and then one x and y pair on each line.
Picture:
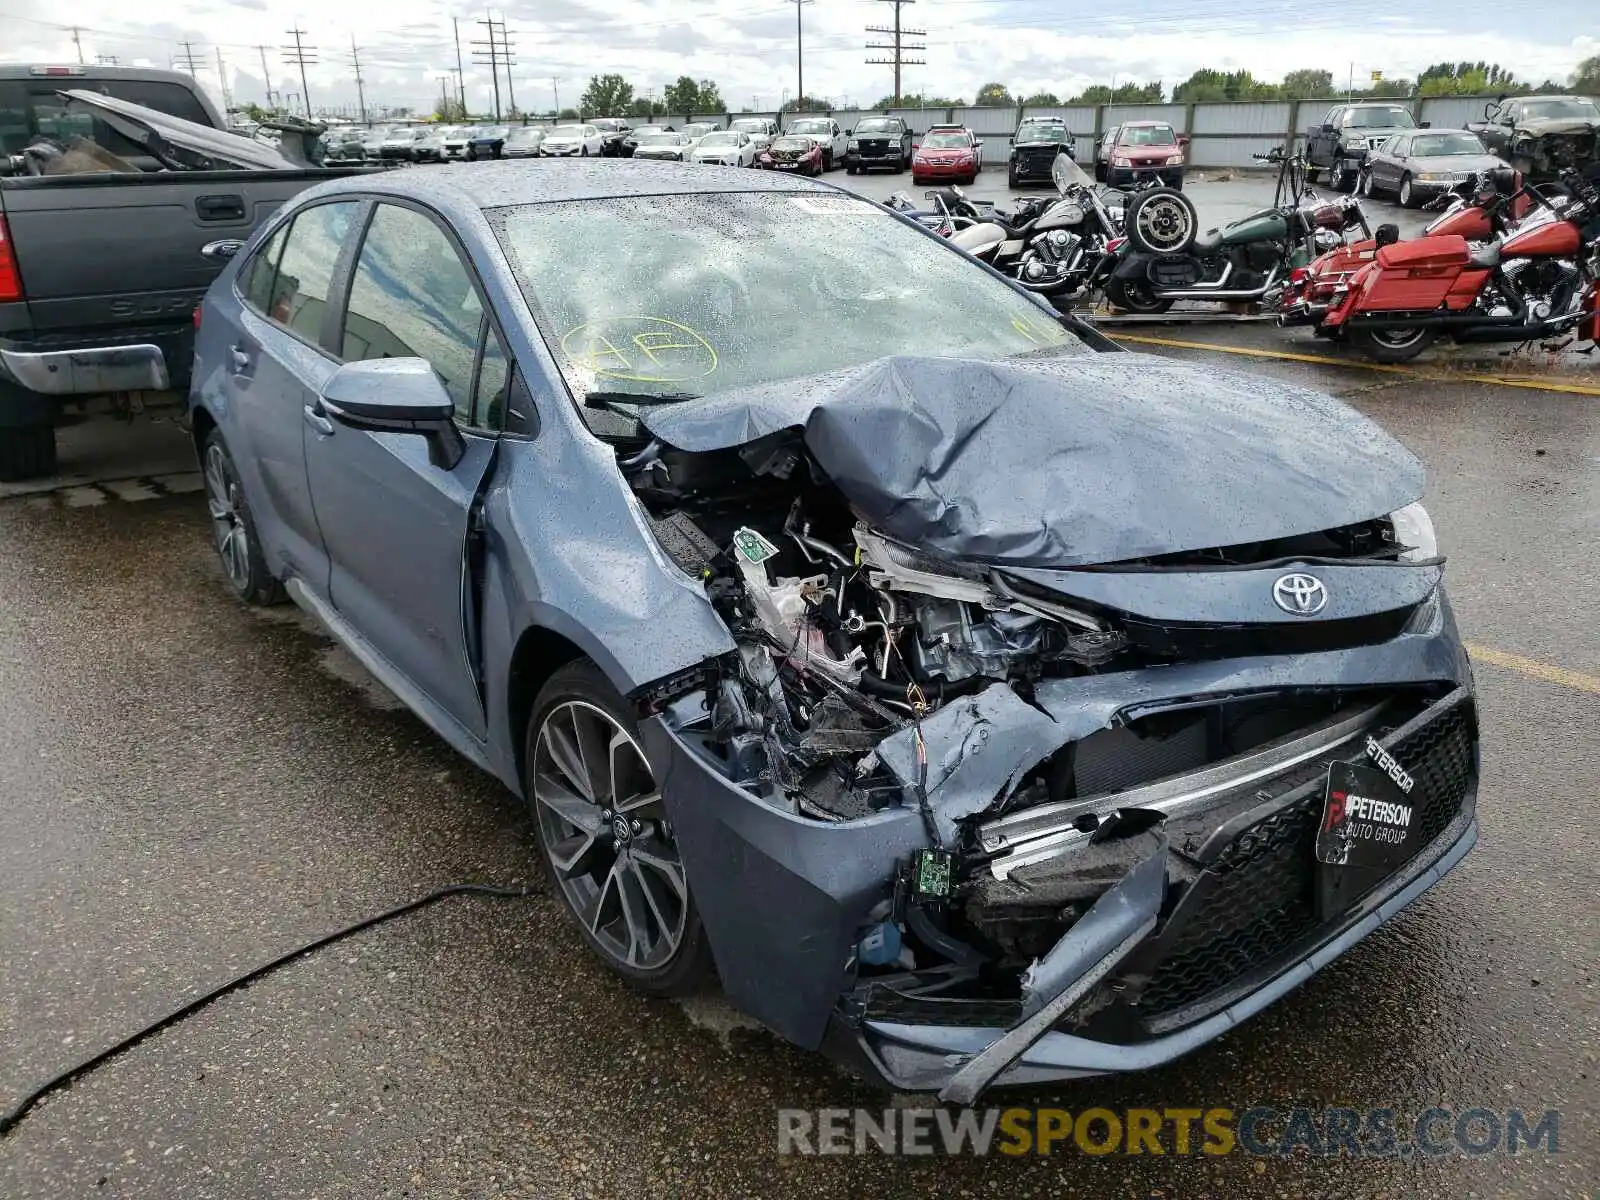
x,y
1413,529
1121,160
854,144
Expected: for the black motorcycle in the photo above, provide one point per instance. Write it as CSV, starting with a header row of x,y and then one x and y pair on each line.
x,y
1166,258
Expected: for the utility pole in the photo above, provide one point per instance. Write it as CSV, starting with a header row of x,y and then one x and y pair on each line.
x,y
299,55
555,90
266,76
78,45
187,59
900,46
355,62
222,78
489,51
799,53
461,75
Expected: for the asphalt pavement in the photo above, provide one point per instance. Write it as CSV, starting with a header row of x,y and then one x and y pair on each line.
x,y
188,788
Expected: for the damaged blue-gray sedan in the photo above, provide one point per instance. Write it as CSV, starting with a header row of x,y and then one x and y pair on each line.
x,y
986,705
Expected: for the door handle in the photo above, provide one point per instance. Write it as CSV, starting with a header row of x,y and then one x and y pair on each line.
x,y
242,359
219,208
317,421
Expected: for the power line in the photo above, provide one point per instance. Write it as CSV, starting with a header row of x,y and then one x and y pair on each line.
x,y
900,46
300,55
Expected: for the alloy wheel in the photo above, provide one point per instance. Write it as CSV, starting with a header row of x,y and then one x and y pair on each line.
x,y
1399,339
1164,224
606,835
225,502
1405,192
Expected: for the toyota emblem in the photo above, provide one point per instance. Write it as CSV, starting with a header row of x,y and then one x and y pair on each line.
x,y
1300,595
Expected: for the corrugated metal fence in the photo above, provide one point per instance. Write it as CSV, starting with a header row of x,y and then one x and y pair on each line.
x,y
1223,134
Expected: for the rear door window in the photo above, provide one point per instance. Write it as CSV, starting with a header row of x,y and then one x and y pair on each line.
x,y
299,295
256,280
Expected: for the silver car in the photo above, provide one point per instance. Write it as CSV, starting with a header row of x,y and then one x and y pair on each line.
x,y
524,141
1419,164
673,147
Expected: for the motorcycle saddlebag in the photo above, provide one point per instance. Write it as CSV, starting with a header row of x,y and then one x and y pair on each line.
x,y
1175,271
1425,253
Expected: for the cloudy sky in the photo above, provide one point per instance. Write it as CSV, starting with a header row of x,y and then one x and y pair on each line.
x,y
748,46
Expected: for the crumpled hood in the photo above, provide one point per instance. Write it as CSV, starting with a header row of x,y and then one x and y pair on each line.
x,y
1083,459
1543,126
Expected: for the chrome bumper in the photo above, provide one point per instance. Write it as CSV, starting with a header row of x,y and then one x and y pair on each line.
x,y
87,370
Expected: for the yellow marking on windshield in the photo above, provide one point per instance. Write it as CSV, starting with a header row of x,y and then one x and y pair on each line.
x,y
1040,333
640,350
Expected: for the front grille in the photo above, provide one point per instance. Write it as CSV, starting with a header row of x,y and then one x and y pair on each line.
x,y
1196,642
1256,902
874,147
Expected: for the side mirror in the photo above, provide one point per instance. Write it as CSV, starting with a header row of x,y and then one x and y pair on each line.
x,y
1327,127
1427,125
848,132
396,395
1387,235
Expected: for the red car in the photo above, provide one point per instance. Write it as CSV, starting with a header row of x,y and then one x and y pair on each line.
x,y
947,152
801,155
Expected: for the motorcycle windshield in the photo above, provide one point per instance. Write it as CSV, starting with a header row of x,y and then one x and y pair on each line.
x,y
1068,174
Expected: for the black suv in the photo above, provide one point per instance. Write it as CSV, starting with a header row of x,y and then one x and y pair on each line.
x,y
614,133
1034,148
878,142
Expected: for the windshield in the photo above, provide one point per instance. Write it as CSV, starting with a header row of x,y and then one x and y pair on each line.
x,y
1426,145
720,139
1378,118
946,141
567,131
1546,109
697,294
878,125
648,130
524,135
748,126
661,139
1068,174
1148,135
695,129
811,125
801,144
1041,133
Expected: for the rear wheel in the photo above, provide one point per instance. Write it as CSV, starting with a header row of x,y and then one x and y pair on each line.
x,y
1135,296
1344,178
1393,345
233,528
1162,221
610,851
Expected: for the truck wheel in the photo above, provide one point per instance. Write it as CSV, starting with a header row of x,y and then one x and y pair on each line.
x,y
1393,345
1344,179
1312,175
27,452
1011,178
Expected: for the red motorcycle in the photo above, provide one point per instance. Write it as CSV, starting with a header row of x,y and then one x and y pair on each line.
x,y
1483,208
1536,282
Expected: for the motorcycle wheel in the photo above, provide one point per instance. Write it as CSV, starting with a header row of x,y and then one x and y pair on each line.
x,y
1393,345
1162,221
1135,296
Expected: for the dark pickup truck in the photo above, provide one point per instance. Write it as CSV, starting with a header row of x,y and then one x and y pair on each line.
x,y
123,197
1347,133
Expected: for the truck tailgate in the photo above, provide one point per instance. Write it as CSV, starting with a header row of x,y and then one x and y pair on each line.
x,y
119,249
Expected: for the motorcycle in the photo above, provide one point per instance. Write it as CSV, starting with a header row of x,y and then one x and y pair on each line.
x,y
1167,259
1538,281
1059,248
1483,207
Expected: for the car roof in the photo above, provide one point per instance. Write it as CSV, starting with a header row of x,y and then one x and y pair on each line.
x,y
1146,124
509,183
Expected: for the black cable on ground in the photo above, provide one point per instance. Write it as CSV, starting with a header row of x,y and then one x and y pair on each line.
x,y
13,1118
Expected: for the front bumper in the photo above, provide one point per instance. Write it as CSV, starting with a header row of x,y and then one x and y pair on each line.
x,y
942,170
1029,167
1126,176
87,365
785,899
560,151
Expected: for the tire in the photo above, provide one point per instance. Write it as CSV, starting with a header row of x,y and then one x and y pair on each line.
x,y
1162,221
233,528
1312,175
598,853
1364,185
1393,345
27,452
1344,179
584,152
1011,178
1099,171
1135,296
1408,198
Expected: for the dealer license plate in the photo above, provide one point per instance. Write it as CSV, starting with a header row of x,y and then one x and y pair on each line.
x,y
1369,828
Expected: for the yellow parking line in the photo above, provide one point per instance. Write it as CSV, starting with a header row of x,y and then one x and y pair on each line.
x,y
1541,385
1534,669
